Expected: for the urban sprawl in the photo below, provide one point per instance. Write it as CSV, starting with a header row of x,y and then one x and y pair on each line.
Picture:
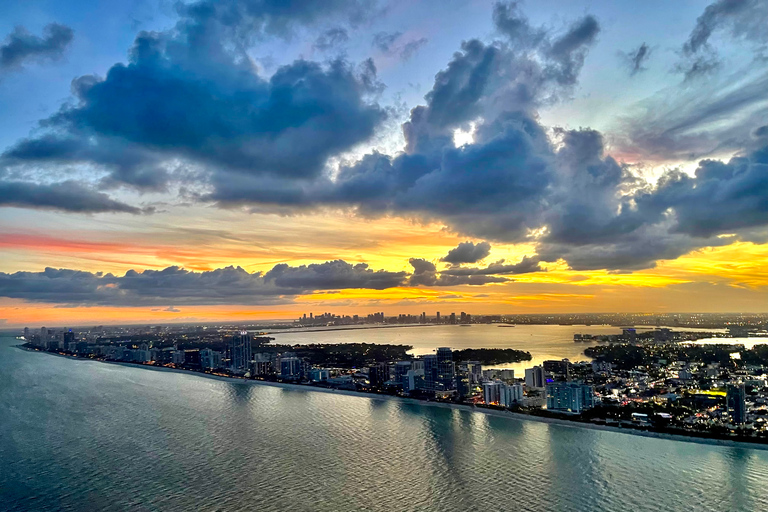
x,y
654,380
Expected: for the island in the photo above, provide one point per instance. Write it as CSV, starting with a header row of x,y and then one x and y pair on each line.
x,y
646,386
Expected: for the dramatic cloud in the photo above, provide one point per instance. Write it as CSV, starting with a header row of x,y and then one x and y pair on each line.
x,y
192,96
174,285
331,275
21,46
468,252
524,266
740,19
67,196
636,59
425,274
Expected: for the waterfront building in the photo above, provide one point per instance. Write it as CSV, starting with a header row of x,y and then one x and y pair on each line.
x,y
492,392
445,369
735,398
262,364
378,375
319,375
463,381
178,357
291,368
210,359
415,380
401,372
239,351
498,393
430,372
569,396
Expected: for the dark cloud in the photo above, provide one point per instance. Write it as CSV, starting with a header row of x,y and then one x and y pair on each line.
x,y
568,51
740,19
331,38
425,274
467,252
69,196
515,26
524,266
383,41
636,59
20,46
332,275
174,285
192,95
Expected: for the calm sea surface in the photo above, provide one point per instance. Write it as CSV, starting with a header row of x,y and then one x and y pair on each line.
x,y
84,435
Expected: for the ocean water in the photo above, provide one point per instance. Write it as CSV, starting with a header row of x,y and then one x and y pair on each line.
x,y
85,435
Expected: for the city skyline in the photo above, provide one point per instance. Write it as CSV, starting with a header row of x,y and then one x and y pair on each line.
x,y
235,161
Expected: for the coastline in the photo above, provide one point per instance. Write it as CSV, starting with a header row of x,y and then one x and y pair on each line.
x,y
465,407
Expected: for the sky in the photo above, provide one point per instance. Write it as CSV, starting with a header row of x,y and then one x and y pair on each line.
x,y
241,160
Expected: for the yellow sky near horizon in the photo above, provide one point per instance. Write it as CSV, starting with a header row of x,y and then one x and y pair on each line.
x,y
726,278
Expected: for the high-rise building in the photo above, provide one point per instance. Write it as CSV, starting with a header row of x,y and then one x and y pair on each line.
x,y
475,371
534,377
430,372
291,368
569,396
210,359
558,369
492,392
239,351
453,319
378,375
445,369
438,317
463,380
401,373
735,398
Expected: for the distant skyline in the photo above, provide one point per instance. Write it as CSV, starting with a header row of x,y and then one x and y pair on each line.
x,y
239,160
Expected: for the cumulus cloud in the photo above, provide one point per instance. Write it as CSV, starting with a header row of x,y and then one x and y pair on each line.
x,y
467,252
524,266
229,285
21,47
425,274
192,95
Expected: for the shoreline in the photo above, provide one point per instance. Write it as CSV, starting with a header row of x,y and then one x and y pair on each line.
x,y
712,441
